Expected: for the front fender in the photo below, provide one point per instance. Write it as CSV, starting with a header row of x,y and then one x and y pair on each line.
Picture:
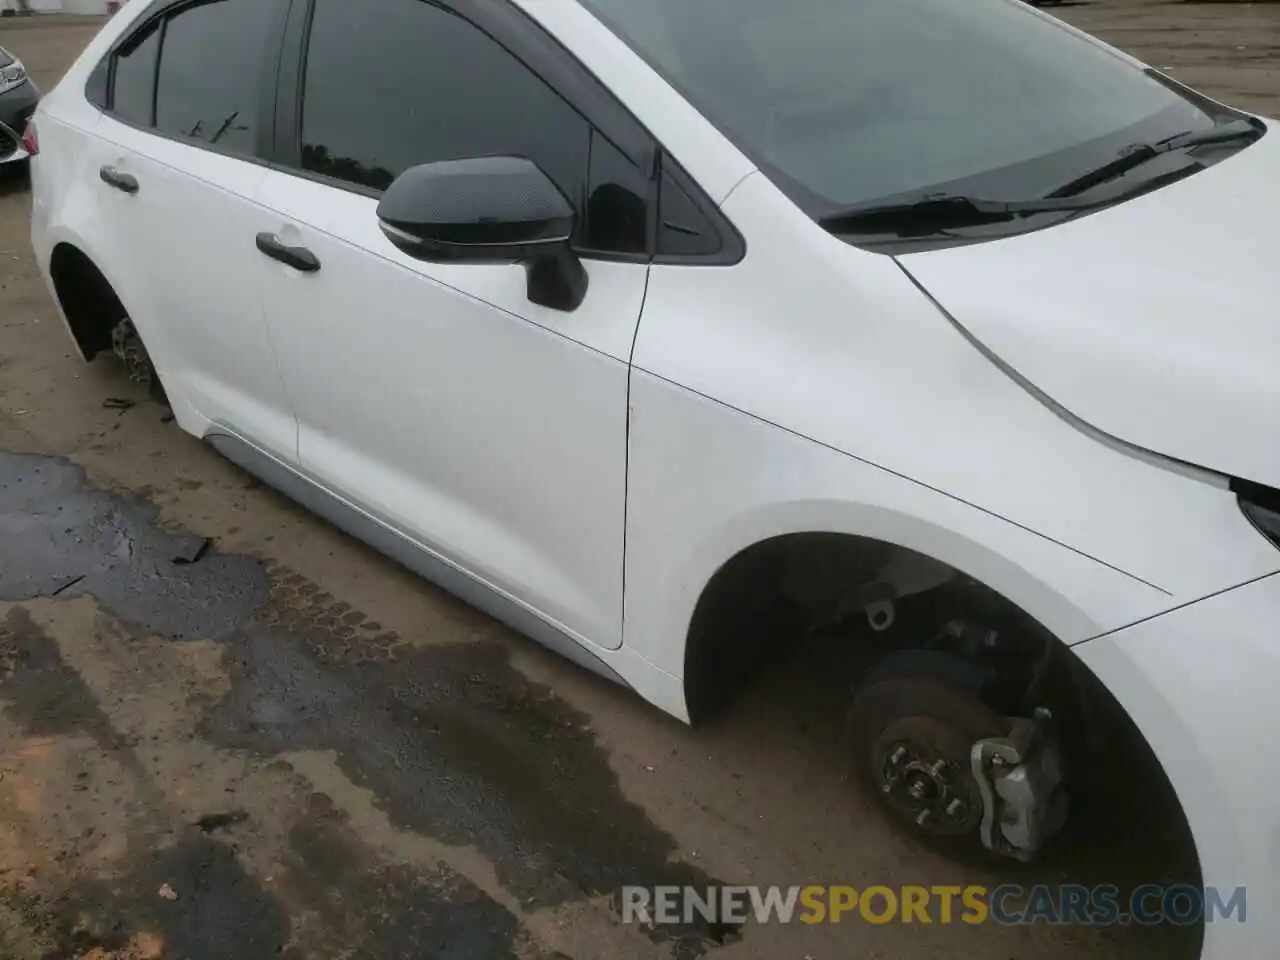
x,y
707,481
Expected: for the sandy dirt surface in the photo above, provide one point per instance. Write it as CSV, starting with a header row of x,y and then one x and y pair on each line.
x,y
294,748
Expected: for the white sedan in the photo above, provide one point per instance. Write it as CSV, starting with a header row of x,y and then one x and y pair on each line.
x,y
669,332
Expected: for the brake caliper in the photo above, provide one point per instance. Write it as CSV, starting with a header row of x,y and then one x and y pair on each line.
x,y
1020,778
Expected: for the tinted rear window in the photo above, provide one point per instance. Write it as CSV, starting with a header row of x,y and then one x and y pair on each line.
x,y
212,65
135,80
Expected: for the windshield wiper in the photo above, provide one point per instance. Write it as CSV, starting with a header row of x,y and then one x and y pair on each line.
x,y
938,211
933,212
1137,154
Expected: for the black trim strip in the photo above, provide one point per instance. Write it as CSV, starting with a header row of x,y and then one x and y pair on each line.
x,y
733,248
286,149
1257,493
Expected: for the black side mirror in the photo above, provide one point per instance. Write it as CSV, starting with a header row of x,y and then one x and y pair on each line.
x,y
488,210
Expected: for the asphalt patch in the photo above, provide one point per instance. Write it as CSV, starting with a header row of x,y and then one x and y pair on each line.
x,y
40,694
60,536
219,910
391,910
458,745
453,741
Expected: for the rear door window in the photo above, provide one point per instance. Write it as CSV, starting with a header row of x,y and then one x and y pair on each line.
x,y
212,68
198,72
134,94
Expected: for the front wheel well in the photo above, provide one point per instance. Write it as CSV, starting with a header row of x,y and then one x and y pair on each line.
x,y
88,300
898,609
943,626
765,600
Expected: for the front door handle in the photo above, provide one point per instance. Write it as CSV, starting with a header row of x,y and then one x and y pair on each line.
x,y
300,258
121,181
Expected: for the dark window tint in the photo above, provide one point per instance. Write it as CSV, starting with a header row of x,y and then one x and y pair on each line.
x,y
134,86
211,72
616,216
845,102
394,83
683,229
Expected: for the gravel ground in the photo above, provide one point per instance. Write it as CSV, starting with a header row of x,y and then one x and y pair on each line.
x,y
293,747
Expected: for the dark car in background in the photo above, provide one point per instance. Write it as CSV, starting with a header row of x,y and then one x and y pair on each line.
x,y
18,99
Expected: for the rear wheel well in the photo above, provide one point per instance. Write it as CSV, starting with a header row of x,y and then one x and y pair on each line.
x,y
88,300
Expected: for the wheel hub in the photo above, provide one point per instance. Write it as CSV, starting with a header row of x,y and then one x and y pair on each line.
x,y
925,787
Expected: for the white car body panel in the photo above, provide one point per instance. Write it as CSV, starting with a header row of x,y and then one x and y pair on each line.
x,y
878,356
196,213
697,463
691,412
497,433
1199,683
1123,319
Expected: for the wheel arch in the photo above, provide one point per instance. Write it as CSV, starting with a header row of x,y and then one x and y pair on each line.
x,y
90,303
1094,723
913,550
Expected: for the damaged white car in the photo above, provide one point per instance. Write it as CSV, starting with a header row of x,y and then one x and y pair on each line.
x,y
783,316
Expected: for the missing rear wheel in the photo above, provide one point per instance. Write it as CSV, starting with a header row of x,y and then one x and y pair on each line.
x,y
127,344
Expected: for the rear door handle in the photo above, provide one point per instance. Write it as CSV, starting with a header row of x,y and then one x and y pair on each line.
x,y
121,181
300,258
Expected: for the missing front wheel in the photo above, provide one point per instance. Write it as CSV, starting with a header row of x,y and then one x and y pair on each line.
x,y
954,771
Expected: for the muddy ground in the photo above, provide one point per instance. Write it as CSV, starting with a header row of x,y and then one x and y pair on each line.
x,y
294,748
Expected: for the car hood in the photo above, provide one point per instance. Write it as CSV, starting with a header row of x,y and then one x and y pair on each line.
x,y
1156,321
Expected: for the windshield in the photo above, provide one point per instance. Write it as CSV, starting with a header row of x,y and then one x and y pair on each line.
x,y
843,102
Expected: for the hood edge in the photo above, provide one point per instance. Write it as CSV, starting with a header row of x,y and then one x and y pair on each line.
x,y
1162,461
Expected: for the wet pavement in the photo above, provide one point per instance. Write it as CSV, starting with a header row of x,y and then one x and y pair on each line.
x,y
454,743
292,747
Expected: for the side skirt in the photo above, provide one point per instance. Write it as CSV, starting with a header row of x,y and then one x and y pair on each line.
x,y
400,547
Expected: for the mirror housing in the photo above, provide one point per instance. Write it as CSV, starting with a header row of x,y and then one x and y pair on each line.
x,y
488,210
